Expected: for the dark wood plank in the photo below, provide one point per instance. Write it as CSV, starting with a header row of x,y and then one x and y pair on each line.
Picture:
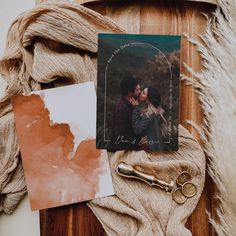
x,y
85,222
76,219
56,221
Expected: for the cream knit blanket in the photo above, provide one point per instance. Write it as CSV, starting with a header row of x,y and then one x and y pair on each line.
x,y
138,209
56,44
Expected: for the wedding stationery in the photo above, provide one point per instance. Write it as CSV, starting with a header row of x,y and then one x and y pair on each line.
x,y
138,92
57,130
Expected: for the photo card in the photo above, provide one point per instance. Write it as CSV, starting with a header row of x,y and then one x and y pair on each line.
x,y
138,92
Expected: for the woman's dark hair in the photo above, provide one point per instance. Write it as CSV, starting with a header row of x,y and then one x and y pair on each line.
x,y
154,96
128,85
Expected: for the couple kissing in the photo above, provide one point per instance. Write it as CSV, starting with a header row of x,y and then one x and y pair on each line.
x,y
138,118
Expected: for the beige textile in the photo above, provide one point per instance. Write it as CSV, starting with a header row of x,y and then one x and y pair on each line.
x,y
137,208
56,44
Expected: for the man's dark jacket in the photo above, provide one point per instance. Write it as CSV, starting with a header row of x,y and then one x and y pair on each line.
x,y
123,137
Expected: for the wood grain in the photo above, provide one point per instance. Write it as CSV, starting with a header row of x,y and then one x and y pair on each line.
x,y
148,17
93,1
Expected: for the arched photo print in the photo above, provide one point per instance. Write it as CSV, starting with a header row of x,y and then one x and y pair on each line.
x,y
138,92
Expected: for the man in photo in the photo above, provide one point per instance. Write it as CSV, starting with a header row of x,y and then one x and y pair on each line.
x,y
123,136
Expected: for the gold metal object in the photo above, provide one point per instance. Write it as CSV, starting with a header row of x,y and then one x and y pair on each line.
x,y
178,196
189,189
129,171
183,177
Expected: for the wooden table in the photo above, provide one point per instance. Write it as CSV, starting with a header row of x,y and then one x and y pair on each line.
x,y
147,17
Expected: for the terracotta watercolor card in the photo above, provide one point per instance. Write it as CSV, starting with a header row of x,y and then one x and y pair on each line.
x,y
56,129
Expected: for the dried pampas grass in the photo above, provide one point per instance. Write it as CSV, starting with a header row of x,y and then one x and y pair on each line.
x,y
216,85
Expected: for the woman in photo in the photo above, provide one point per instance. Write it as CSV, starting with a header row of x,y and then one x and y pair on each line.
x,y
148,118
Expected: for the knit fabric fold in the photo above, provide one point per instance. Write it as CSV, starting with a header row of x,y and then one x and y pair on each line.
x,y
137,208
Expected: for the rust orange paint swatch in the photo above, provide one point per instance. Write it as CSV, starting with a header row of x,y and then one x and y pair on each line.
x,y
56,131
